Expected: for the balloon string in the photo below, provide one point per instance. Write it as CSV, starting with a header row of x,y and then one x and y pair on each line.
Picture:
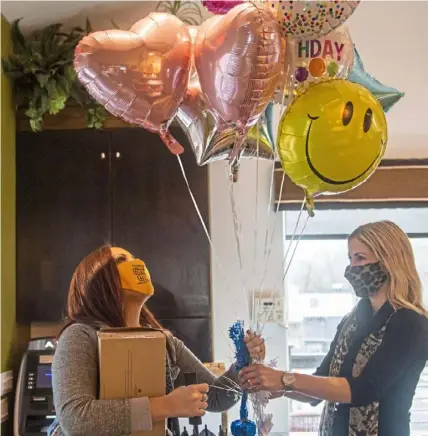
x,y
268,217
268,251
183,172
283,263
287,251
272,232
272,173
295,248
283,98
294,234
214,254
291,260
253,306
215,257
237,232
256,219
272,235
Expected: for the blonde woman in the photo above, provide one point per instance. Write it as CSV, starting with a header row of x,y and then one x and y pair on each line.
x,y
369,376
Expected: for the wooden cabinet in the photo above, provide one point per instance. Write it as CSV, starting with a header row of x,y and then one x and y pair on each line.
x,y
63,213
154,218
77,190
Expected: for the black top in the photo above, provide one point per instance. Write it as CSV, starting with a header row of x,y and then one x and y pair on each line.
x,y
392,373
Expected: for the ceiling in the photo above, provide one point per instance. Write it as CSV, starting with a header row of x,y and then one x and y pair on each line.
x,y
391,36
40,13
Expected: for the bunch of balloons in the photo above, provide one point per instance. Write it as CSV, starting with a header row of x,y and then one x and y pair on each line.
x,y
218,80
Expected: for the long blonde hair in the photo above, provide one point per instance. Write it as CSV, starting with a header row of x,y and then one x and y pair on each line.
x,y
392,248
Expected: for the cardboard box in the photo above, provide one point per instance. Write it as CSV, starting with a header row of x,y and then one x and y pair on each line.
x,y
132,364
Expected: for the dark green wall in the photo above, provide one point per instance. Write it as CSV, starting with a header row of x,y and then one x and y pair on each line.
x,y
13,336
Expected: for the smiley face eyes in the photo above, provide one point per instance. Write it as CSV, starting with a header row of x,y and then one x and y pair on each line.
x,y
368,118
347,113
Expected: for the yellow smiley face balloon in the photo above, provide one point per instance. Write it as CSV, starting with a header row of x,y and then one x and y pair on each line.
x,y
332,137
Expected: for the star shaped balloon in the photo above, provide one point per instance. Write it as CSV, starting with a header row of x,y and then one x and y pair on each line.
x,y
386,95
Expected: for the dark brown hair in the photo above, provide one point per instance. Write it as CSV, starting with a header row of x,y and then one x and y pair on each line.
x,y
95,296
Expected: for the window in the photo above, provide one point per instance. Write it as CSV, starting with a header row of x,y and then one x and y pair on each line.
x,y
319,296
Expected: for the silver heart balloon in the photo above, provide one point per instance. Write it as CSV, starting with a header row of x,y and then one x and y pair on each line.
x,y
212,140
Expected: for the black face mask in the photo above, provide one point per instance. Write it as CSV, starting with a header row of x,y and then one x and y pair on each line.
x,y
366,279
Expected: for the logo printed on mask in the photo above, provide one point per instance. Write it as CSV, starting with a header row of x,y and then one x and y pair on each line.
x,y
141,273
135,276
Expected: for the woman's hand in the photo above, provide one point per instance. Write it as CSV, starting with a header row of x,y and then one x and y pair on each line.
x,y
255,345
187,401
261,378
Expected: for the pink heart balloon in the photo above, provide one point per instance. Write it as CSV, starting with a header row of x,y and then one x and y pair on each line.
x,y
239,59
139,75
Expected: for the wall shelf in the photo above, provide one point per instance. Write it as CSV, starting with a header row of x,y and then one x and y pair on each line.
x,y
70,118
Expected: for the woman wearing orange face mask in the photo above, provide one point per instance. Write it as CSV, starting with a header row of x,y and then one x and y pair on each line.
x,y
369,376
106,291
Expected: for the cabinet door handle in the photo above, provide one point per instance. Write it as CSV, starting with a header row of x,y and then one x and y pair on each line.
x,y
117,155
102,156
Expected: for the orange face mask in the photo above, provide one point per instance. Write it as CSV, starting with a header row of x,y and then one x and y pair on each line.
x,y
135,276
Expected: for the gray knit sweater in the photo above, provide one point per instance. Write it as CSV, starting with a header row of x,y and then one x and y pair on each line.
x,y
75,386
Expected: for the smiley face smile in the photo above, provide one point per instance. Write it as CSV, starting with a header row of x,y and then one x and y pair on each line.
x,y
327,179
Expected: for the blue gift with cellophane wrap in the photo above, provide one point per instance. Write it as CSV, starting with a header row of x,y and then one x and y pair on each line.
x,y
242,426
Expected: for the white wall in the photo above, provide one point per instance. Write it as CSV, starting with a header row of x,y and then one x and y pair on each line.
x,y
228,298
392,37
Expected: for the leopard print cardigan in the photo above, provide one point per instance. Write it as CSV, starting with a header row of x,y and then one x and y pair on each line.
x,y
362,420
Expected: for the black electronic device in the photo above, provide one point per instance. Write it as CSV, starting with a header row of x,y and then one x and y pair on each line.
x,y
190,378
34,408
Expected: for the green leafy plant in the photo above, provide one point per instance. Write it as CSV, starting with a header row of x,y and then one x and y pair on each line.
x,y
189,12
41,67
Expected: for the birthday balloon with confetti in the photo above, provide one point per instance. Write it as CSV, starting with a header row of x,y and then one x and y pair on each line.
x,y
310,59
303,19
